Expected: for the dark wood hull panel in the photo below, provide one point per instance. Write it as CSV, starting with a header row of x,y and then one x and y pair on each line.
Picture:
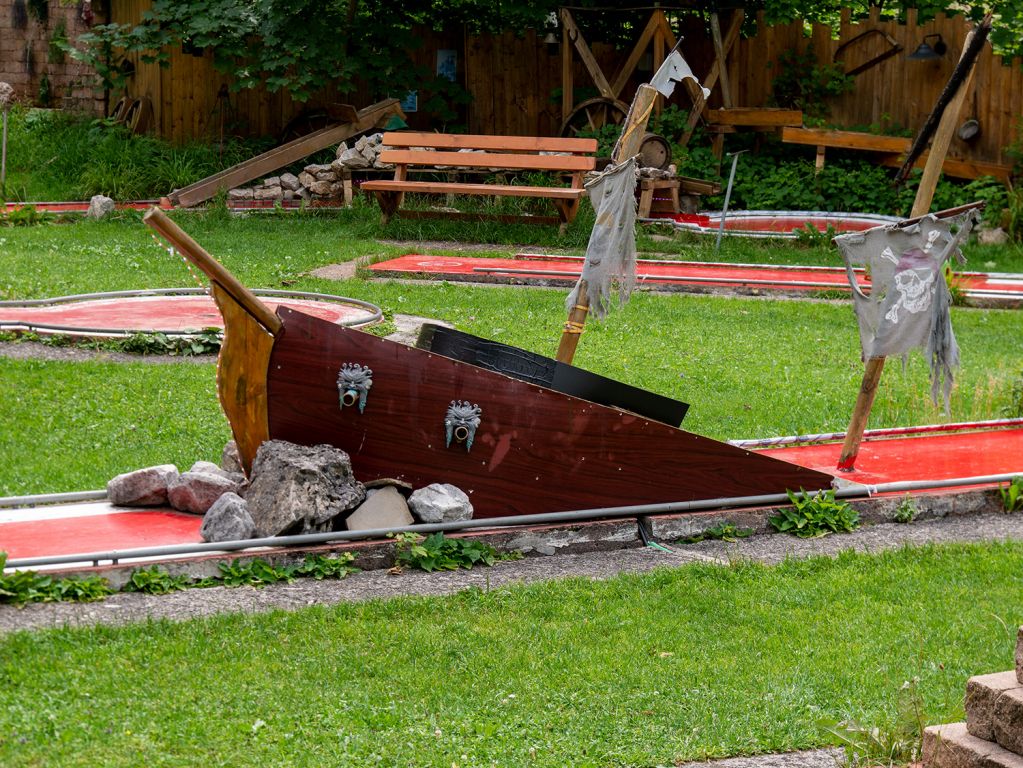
x,y
535,450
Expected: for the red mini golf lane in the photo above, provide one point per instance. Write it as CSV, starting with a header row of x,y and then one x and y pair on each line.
x,y
173,314
93,527
99,527
542,269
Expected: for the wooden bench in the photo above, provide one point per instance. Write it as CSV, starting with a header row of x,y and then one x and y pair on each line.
x,y
419,152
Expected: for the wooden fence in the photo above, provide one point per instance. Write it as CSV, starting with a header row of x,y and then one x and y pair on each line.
x,y
514,80
898,91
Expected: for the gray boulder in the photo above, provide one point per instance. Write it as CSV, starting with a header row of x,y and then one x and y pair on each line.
x,y
99,206
353,158
300,489
290,181
322,188
214,469
196,491
383,508
230,458
440,503
143,487
227,520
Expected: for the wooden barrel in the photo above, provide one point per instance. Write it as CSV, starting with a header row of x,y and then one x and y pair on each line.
x,y
654,152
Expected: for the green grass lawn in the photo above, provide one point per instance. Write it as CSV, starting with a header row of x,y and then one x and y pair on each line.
x,y
699,661
749,367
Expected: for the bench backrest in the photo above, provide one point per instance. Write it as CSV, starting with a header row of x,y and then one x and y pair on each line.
x,y
505,152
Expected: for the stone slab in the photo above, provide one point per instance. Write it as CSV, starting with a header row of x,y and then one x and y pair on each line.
x,y
982,691
1019,655
384,508
1008,720
951,746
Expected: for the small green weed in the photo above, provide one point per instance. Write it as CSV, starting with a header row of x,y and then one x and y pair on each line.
x,y
259,573
907,511
23,587
322,567
815,515
25,216
436,552
723,531
155,581
895,745
1012,494
206,342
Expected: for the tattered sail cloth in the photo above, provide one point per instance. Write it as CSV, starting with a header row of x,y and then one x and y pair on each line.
x,y
611,252
908,304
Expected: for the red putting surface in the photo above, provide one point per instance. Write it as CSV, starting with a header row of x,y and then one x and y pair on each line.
x,y
927,457
535,268
157,313
96,527
104,529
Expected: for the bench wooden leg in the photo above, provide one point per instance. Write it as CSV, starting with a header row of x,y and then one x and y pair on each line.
x,y
646,200
389,204
567,209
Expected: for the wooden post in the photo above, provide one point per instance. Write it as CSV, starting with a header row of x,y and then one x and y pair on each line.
x,y
719,53
921,205
573,326
628,146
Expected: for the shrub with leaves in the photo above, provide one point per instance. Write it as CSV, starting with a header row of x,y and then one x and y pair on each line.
x,y
23,587
436,552
814,515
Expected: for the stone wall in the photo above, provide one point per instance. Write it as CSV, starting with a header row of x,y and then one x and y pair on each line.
x,y
41,76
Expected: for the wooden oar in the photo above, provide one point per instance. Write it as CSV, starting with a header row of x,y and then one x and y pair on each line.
x,y
186,246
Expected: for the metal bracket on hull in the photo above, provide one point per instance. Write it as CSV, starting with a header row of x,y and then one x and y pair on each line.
x,y
353,383
461,422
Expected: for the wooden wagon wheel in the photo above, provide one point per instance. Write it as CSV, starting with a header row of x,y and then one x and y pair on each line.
x,y
591,115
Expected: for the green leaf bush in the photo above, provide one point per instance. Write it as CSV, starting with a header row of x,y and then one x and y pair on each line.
x,y
815,515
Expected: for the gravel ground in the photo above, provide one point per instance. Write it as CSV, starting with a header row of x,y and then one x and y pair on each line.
x,y
370,585
34,350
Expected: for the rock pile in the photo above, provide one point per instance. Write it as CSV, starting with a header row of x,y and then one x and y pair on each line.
x,y
292,489
320,182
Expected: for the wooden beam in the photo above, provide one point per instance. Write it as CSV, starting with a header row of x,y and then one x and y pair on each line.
x,y
622,78
699,103
576,36
845,139
754,116
567,76
719,52
260,165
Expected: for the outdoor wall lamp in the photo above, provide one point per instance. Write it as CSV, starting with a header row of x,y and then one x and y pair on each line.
x,y
927,52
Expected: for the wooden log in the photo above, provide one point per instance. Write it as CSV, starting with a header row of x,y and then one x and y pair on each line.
x,y
283,155
573,326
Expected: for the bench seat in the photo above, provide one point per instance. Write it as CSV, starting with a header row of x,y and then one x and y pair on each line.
x,y
428,152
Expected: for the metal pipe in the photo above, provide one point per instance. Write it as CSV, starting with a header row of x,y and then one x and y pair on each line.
x,y
581,515
52,498
728,196
824,437
844,286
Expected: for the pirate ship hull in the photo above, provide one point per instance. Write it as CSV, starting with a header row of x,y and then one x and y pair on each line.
x,y
533,450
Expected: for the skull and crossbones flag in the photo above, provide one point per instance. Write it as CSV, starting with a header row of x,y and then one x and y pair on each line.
x,y
909,300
